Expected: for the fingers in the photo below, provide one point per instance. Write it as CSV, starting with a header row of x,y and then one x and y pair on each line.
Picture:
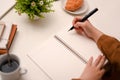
x,y
103,71
97,60
79,31
76,19
101,63
78,27
89,63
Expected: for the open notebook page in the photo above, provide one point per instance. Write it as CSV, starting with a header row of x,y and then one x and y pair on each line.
x,y
57,61
82,45
5,6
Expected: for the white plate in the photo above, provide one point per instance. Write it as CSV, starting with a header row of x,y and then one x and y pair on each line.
x,y
82,10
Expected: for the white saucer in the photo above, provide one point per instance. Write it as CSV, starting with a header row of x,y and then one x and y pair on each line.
x,y
82,10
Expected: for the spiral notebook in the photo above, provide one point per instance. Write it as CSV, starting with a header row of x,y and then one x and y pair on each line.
x,y
64,56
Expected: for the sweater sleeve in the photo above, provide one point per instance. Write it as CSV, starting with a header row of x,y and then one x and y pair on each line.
x,y
110,47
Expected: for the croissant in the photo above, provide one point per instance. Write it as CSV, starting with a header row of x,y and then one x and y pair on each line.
x,y
73,5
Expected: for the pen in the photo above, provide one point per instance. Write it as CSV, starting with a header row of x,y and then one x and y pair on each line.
x,y
86,17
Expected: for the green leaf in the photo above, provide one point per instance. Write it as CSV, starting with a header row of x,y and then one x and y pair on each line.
x,y
34,7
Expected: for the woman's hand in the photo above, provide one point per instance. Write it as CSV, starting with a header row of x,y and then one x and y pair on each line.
x,y
93,70
86,28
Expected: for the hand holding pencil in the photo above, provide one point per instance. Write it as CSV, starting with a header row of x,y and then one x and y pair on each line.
x,y
86,28
86,17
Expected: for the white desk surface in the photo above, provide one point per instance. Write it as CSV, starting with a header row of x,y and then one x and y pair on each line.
x,y
34,33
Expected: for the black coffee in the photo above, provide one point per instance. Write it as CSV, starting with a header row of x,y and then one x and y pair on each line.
x,y
9,66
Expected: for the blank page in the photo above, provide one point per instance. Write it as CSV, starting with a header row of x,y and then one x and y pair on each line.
x,y
57,61
84,46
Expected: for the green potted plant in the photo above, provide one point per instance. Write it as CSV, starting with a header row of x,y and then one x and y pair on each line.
x,y
34,7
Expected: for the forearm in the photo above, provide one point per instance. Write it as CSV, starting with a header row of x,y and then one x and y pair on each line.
x,y
95,33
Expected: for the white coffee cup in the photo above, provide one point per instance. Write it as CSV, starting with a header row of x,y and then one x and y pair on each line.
x,y
15,74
